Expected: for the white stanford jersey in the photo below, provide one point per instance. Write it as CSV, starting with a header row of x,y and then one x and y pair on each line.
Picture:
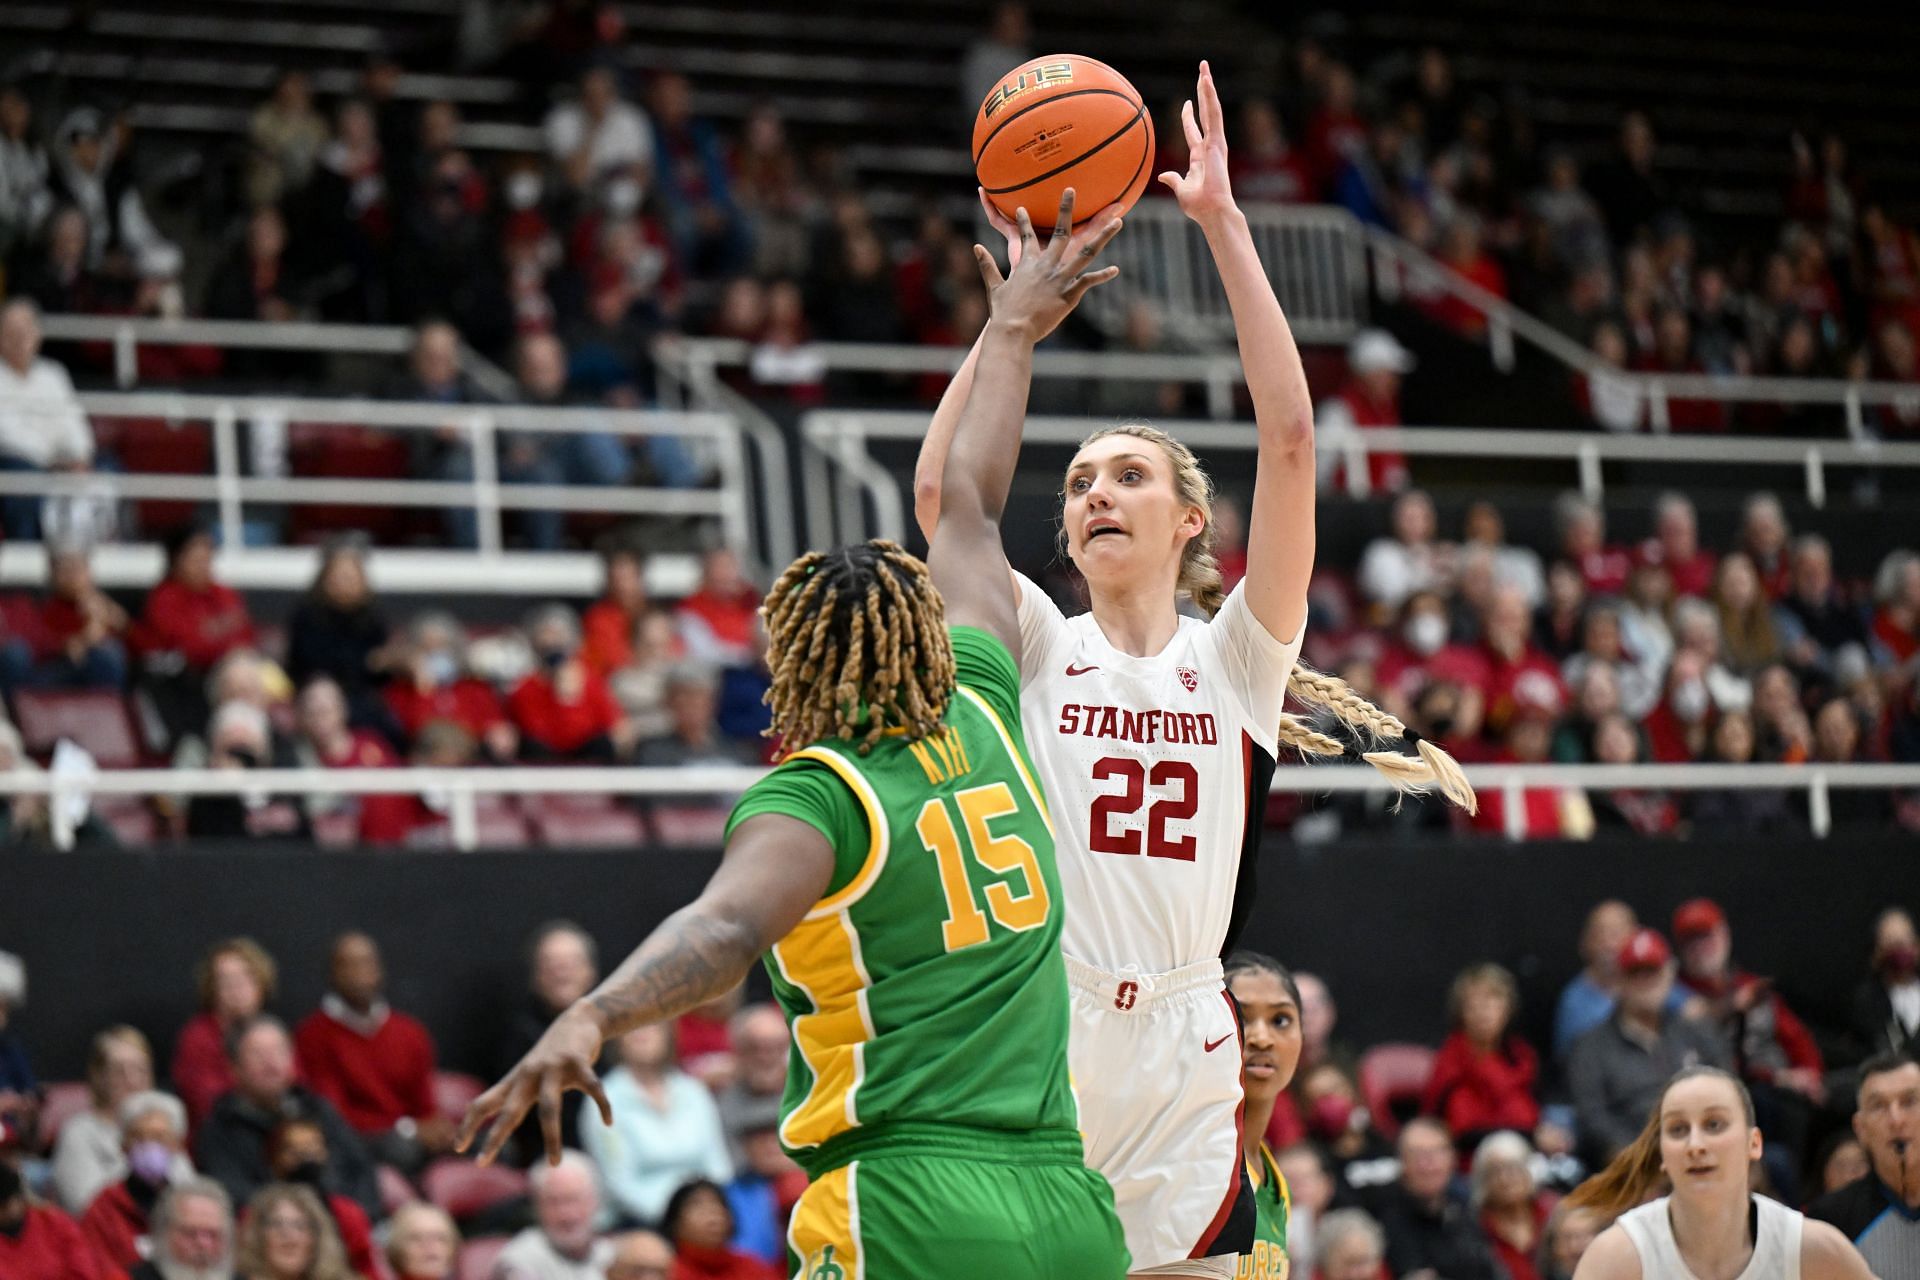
x,y
1156,771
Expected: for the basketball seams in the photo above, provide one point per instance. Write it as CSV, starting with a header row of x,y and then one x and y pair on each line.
x,y
1139,111
981,150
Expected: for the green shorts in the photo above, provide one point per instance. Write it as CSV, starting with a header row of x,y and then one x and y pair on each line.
x,y
935,1202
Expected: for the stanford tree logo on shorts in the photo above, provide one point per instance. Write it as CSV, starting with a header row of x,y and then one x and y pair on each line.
x,y
1189,678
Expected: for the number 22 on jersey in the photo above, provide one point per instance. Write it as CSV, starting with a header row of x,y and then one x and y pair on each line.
x,y
966,923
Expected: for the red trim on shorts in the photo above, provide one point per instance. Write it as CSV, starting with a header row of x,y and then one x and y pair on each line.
x,y
1212,1232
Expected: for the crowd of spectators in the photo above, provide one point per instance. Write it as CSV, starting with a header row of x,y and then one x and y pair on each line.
x,y
340,685
1665,652
325,1152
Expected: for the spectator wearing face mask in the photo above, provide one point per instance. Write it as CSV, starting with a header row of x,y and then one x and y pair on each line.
x,y
1423,654
1886,1007
1410,560
297,1154
564,710
90,1154
433,684
1363,1163
153,1129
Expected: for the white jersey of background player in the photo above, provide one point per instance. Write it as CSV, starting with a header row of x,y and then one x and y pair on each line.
x,y
1155,738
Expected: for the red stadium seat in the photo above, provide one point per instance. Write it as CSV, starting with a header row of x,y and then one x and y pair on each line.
x,y
464,1188
342,451
154,446
1393,1075
680,824
92,718
454,1092
130,818
395,1190
61,1102
607,828
477,1258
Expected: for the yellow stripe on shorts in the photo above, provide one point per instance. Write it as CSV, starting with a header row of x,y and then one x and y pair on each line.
x,y
825,1231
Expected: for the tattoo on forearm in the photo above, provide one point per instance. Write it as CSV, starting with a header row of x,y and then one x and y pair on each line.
x,y
688,961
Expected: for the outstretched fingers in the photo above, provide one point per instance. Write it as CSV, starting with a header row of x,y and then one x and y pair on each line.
x,y
1027,238
1063,224
1089,280
1192,129
989,269
1212,117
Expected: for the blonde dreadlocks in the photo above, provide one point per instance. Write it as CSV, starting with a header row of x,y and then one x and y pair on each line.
x,y
857,643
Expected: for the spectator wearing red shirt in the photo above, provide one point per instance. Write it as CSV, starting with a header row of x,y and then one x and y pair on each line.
x,y
1896,618
1764,536
1548,813
1370,399
235,980
38,1242
1463,253
611,621
1264,167
699,1221
1583,543
1485,1074
75,639
1672,353
373,1063
1516,673
1675,544
564,710
432,684
328,741
720,621
188,624
153,1128
1511,1211
1335,132
1775,1053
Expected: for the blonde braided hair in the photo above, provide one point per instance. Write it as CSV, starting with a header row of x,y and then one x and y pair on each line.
x,y
1429,769
857,643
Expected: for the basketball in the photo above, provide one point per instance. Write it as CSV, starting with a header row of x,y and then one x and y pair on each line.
x,y
1057,122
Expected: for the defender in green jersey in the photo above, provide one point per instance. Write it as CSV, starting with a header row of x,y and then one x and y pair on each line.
x,y
897,869
1269,1003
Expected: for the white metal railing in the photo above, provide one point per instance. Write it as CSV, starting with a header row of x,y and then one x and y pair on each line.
x,y
486,493
1313,255
1401,268
1219,371
128,334
834,457
462,787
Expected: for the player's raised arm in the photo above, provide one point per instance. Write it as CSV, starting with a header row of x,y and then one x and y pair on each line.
x,y
1280,528
968,563
774,870
932,463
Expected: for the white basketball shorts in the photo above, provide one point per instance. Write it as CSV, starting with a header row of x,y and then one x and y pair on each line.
x,y
1156,1069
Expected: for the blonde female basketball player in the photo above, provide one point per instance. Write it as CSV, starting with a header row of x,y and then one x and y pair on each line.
x,y
1156,735
1701,1140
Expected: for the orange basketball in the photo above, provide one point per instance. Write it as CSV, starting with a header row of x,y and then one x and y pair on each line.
x,y
1057,122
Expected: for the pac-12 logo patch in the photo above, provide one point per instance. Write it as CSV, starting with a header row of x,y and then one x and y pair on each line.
x,y
1189,678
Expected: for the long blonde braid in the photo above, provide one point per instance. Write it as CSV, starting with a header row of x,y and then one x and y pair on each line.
x,y
857,643
1429,768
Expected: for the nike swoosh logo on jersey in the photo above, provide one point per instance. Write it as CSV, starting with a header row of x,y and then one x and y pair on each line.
x,y
1079,671
1215,1044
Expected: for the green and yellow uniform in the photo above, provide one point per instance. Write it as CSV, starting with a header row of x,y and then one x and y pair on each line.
x,y
927,1092
1273,1205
